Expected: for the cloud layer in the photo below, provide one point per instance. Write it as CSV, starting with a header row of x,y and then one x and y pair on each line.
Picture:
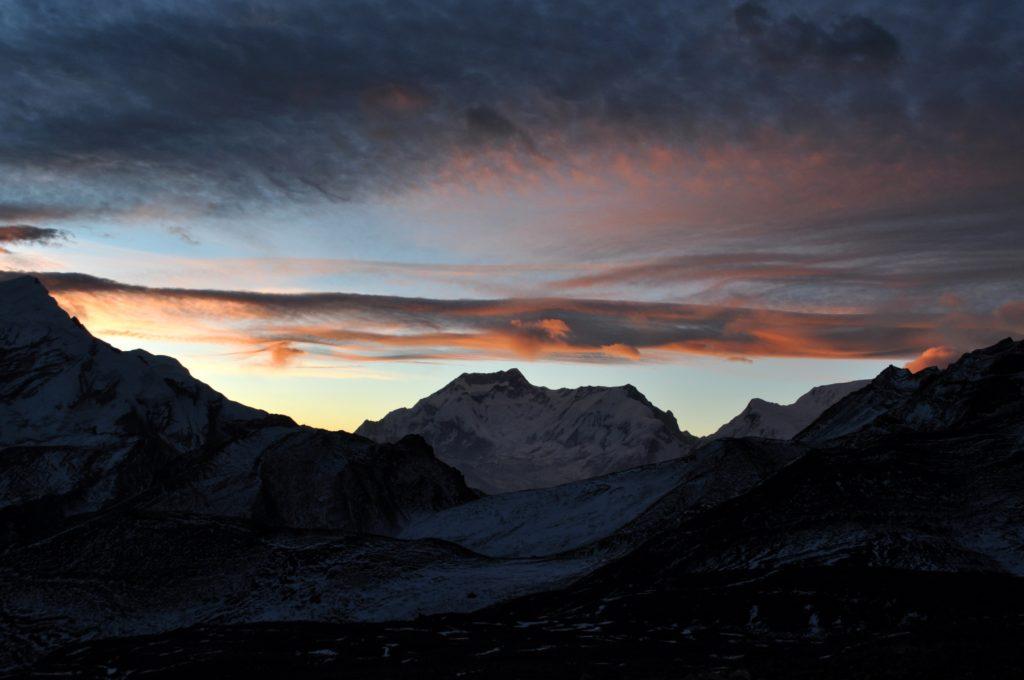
x,y
11,234
226,105
281,328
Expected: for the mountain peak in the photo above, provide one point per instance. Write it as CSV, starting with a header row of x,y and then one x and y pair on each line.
x,y
510,377
762,418
505,434
24,299
894,375
1005,345
22,287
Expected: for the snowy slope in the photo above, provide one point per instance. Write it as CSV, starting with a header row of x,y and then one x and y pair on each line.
x,y
783,421
548,521
505,434
126,574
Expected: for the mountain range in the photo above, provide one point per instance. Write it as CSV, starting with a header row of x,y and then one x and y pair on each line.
x,y
505,434
152,526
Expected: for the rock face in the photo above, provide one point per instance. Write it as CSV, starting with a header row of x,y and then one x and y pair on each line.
x,y
777,421
85,427
505,434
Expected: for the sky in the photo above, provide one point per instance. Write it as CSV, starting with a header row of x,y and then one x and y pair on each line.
x,y
332,209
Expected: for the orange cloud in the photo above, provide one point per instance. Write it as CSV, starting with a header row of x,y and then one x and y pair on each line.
x,y
934,356
556,329
618,349
292,328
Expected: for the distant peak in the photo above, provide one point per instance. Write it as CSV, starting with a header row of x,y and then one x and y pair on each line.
x,y
1002,346
510,377
894,373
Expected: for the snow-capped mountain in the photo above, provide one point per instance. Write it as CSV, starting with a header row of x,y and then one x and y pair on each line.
x,y
84,426
783,421
505,434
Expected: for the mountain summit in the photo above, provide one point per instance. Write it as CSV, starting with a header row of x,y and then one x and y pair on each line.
x,y
506,434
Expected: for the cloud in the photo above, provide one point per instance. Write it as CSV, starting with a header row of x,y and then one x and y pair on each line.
x,y
486,122
955,269
752,18
184,234
851,41
12,234
939,357
350,327
13,211
554,329
795,156
226,106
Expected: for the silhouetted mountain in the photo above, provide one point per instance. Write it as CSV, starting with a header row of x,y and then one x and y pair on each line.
x,y
777,421
85,427
505,434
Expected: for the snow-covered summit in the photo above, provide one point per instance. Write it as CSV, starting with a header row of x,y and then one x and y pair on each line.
x,y
506,434
783,421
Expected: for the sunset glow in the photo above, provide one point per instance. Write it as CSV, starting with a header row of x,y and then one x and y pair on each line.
x,y
736,201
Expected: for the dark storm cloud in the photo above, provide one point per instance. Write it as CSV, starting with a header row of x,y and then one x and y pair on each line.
x,y
13,234
851,40
226,104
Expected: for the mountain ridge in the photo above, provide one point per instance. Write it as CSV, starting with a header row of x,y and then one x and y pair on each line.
x,y
762,418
